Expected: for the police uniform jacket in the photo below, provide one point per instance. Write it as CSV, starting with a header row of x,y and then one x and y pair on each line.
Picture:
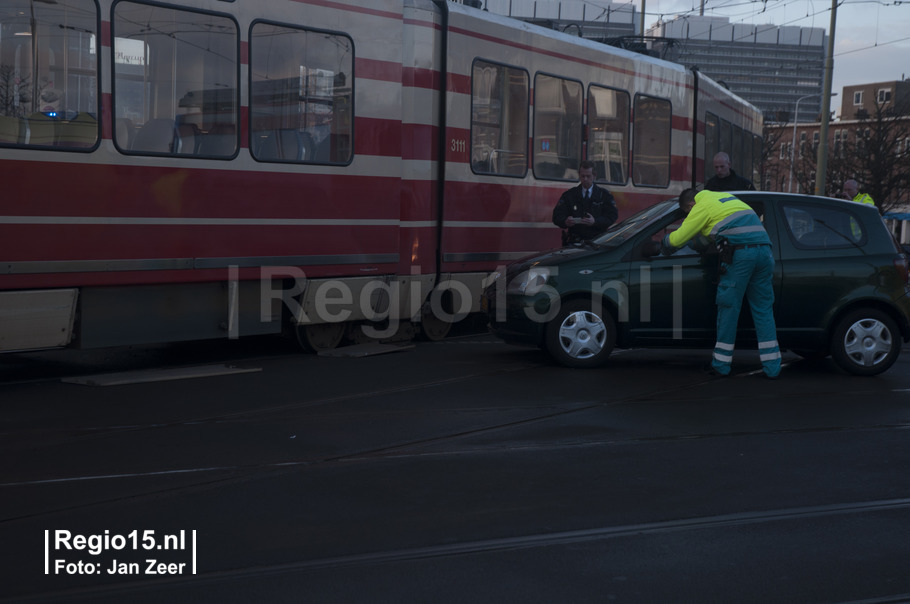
x,y
572,203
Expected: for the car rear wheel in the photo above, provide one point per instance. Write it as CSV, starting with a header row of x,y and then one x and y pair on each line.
x,y
581,336
865,342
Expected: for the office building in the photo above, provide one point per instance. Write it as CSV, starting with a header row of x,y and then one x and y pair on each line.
x,y
770,66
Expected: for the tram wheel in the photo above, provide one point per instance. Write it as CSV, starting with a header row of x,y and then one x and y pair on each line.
x,y
320,336
434,328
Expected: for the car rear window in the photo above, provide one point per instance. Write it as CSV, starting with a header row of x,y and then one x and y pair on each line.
x,y
819,227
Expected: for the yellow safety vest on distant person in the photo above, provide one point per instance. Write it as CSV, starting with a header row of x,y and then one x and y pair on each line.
x,y
864,198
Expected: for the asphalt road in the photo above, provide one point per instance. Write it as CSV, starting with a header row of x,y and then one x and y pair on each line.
x,y
460,471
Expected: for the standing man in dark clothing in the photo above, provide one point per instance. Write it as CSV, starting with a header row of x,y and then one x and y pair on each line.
x,y
725,179
585,211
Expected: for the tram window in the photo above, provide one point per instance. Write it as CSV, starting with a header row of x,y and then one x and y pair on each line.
x,y
736,151
499,119
726,137
175,81
302,95
651,142
557,127
49,74
746,171
608,134
712,145
756,158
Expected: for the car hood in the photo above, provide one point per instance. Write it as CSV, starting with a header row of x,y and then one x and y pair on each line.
x,y
555,257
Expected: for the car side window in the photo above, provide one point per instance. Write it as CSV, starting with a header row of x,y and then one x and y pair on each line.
x,y
819,227
692,248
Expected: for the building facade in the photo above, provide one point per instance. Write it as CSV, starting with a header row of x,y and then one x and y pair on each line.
x,y
772,67
605,21
869,143
860,101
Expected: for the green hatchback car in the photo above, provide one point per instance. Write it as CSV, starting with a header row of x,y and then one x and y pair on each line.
x,y
840,285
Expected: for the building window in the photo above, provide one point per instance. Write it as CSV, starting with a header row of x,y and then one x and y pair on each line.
x,y
858,97
815,140
884,95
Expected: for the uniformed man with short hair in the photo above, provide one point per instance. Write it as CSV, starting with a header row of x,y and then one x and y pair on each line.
x,y
585,211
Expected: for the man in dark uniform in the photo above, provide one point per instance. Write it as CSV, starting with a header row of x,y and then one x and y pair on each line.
x,y
584,211
725,179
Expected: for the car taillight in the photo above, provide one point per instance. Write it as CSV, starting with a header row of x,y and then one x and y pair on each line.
x,y
902,264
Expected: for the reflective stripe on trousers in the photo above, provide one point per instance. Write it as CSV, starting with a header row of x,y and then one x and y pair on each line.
x,y
750,276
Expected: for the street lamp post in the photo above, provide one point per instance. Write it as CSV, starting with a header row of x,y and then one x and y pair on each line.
x,y
821,162
793,141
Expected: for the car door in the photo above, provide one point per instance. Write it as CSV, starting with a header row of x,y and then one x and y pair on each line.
x,y
825,266
671,297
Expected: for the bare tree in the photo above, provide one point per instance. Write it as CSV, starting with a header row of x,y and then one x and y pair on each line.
x,y
770,172
14,92
840,167
881,162
872,149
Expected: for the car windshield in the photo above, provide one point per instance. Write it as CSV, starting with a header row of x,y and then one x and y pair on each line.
x,y
621,232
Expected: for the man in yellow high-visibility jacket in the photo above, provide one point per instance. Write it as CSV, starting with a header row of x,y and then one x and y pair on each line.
x,y
851,191
723,217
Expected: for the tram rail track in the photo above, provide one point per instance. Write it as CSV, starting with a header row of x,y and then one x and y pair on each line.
x,y
402,448
476,437
412,448
262,412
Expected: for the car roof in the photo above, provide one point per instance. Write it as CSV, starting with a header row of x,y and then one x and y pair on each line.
x,y
780,197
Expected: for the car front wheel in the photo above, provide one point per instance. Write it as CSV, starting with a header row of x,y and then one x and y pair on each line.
x,y
865,342
581,335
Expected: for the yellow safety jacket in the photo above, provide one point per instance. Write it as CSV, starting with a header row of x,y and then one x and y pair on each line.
x,y
720,214
864,198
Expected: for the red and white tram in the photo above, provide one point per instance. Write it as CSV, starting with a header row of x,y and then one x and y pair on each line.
x,y
210,168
